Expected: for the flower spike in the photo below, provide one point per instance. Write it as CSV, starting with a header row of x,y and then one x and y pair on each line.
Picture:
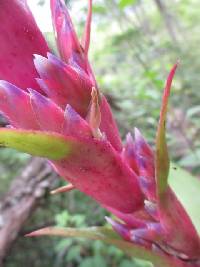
x,y
66,120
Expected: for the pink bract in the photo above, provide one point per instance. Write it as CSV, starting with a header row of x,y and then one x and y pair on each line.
x,y
41,93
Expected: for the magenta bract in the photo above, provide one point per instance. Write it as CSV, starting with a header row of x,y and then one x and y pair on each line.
x,y
20,38
60,97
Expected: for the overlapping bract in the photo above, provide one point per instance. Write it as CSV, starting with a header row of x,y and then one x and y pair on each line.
x,y
20,38
163,224
66,108
64,105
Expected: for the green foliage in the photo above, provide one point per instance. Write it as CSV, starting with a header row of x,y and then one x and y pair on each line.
x,y
187,187
99,9
93,261
110,237
11,163
37,143
124,3
65,219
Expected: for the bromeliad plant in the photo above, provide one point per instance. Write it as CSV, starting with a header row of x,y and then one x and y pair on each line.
x,y
62,116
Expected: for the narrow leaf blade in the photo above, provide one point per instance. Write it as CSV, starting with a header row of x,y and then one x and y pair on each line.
x,y
110,237
162,163
86,35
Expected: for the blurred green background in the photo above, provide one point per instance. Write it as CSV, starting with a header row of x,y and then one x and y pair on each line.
x,y
134,44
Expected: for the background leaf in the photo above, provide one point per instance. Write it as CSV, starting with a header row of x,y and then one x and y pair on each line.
x,y
187,189
125,3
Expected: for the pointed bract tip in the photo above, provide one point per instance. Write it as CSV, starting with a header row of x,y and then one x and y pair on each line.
x,y
137,132
94,95
138,136
141,146
120,228
39,62
86,36
70,112
129,139
168,84
35,94
71,115
33,234
109,220
62,189
37,57
3,83
116,225
66,37
94,114
32,92
38,99
40,232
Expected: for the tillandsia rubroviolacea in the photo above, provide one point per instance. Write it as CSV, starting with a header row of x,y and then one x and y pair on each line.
x,y
55,110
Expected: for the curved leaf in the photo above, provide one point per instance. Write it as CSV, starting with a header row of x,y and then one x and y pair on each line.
x,y
162,158
110,237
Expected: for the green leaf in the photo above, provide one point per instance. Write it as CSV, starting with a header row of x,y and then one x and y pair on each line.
x,y
74,253
187,189
125,3
93,261
99,9
88,262
110,237
162,157
42,144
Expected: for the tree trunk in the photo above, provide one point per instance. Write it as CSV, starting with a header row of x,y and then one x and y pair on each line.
x,y
22,198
